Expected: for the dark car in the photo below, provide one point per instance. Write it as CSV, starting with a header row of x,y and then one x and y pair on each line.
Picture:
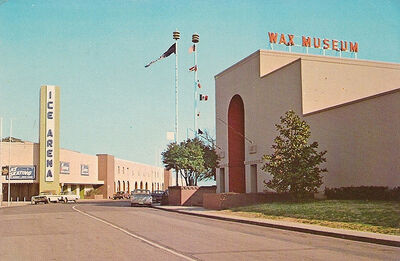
x,y
157,196
119,195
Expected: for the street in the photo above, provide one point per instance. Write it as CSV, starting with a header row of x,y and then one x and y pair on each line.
x,y
112,230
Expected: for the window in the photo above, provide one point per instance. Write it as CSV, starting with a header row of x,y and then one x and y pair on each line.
x,y
123,170
118,169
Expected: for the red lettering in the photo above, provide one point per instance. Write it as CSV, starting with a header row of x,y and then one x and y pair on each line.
x,y
282,40
343,48
306,41
272,37
326,43
353,47
334,45
291,42
315,43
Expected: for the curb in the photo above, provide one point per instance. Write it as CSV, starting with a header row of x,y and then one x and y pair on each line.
x,y
379,241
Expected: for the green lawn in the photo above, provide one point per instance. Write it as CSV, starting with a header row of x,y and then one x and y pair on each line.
x,y
373,216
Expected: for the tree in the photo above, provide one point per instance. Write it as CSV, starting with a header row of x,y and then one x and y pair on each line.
x,y
294,164
193,159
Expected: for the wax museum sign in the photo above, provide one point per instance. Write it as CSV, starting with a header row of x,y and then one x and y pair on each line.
x,y
314,42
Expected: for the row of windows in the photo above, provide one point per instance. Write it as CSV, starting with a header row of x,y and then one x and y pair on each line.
x,y
126,186
154,173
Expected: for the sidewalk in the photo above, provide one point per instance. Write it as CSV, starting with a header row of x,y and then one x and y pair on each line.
x,y
369,237
14,203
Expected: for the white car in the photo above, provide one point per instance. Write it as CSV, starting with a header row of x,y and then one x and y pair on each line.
x,y
141,197
45,197
68,196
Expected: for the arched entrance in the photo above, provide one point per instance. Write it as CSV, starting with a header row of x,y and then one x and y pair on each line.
x,y
236,145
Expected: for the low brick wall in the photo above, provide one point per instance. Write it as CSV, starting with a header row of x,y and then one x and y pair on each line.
x,y
188,195
94,197
231,200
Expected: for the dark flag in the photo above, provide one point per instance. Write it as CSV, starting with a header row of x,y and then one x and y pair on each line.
x,y
170,51
193,68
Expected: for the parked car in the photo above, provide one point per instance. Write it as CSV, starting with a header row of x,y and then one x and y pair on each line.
x,y
157,195
39,199
141,197
67,196
119,195
45,197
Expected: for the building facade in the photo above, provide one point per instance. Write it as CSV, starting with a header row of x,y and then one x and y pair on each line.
x,y
352,107
79,173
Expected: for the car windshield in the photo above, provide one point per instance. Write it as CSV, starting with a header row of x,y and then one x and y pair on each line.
x,y
141,192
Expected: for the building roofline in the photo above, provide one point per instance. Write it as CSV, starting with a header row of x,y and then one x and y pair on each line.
x,y
242,61
332,59
312,57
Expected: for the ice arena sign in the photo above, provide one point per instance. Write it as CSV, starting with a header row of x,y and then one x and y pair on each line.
x,y
314,42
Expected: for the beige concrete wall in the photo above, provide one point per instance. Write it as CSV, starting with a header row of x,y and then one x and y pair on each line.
x,y
329,81
362,140
359,129
76,159
26,153
264,100
128,171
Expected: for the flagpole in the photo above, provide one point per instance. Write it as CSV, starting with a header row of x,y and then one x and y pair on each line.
x,y
176,35
195,40
9,164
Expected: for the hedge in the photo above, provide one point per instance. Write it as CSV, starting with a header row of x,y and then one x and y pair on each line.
x,y
364,193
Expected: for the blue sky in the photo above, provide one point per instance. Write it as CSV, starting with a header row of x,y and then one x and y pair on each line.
x,y
96,52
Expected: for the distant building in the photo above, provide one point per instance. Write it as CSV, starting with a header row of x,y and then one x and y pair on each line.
x,y
352,106
44,167
78,173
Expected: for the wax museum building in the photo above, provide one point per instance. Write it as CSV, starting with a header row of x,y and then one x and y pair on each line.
x,y
45,167
352,107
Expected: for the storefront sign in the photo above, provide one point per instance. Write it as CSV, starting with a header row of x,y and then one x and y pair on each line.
x,y
315,42
64,167
84,170
50,123
22,173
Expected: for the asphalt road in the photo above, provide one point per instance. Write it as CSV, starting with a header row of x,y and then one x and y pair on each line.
x,y
115,231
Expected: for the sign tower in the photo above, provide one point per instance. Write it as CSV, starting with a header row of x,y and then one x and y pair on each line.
x,y
49,178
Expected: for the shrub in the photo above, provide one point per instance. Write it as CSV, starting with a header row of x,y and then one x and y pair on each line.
x,y
363,193
295,164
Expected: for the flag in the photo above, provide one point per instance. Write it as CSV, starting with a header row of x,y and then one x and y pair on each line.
x,y
203,97
192,48
170,51
193,68
198,84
